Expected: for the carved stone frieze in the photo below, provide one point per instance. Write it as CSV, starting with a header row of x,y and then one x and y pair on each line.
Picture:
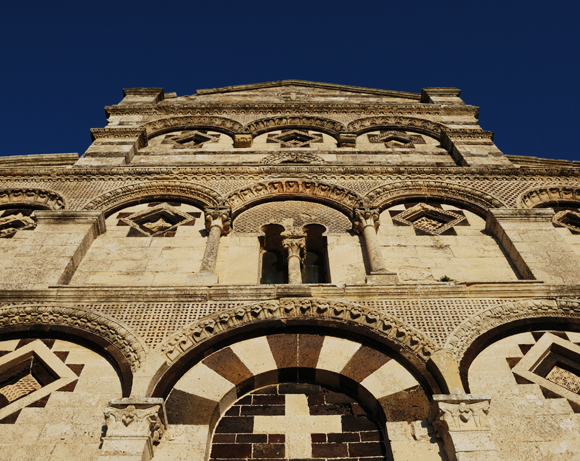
x,y
105,327
540,195
398,122
343,198
470,329
407,337
164,125
292,157
384,195
263,125
41,198
143,190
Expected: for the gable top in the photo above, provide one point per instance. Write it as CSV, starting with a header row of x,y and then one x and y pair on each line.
x,y
310,85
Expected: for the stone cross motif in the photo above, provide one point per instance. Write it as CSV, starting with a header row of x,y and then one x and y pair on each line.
x,y
298,425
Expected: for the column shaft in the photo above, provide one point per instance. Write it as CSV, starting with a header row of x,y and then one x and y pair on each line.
x,y
209,261
374,253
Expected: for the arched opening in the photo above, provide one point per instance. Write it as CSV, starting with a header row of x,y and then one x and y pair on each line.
x,y
274,267
315,263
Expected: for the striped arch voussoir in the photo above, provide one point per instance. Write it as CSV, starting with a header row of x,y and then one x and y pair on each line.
x,y
384,196
408,338
471,329
395,122
333,195
538,196
32,197
195,193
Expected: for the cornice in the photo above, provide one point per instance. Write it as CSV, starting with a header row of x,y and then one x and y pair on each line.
x,y
200,108
370,172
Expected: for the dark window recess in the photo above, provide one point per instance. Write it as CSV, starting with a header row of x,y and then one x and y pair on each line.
x,y
274,269
314,268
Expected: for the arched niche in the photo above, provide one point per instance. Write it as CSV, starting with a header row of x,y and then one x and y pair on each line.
x,y
188,139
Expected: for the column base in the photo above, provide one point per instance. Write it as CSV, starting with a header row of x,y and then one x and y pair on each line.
x,y
202,279
382,278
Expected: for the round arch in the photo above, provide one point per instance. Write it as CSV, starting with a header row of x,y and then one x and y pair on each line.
x,y
189,346
474,200
284,189
34,198
94,330
188,122
541,197
175,190
325,125
479,331
390,122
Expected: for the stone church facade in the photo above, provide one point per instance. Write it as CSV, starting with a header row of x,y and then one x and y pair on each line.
x,y
289,270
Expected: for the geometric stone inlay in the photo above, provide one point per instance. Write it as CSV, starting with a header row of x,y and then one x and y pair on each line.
x,y
564,378
294,138
15,220
549,363
29,374
569,219
191,139
428,219
157,221
396,139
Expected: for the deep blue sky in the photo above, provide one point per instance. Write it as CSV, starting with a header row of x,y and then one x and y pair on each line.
x,y
63,61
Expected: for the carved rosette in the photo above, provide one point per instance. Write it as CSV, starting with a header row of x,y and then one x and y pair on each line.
x,y
218,216
413,341
364,217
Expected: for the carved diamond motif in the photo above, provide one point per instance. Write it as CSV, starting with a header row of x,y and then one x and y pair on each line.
x,y
29,374
295,138
191,139
157,221
428,219
569,219
554,364
15,220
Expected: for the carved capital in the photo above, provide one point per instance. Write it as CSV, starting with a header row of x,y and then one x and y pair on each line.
x,y
294,241
243,140
364,217
136,417
459,412
218,216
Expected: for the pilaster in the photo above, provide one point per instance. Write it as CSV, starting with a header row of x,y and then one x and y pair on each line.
x,y
461,421
134,425
473,147
113,146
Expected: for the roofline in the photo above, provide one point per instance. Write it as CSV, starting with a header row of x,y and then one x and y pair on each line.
x,y
328,86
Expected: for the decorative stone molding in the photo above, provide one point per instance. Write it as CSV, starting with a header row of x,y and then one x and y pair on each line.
x,y
450,136
471,329
461,421
131,135
326,125
164,125
133,426
569,219
158,220
546,194
388,194
105,327
396,122
411,340
154,190
292,157
9,225
340,197
40,198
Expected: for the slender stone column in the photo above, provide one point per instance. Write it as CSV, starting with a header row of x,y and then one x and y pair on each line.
x,y
217,222
461,421
366,221
295,242
134,425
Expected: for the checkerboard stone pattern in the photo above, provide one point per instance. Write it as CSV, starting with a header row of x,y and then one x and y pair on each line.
x,y
297,421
